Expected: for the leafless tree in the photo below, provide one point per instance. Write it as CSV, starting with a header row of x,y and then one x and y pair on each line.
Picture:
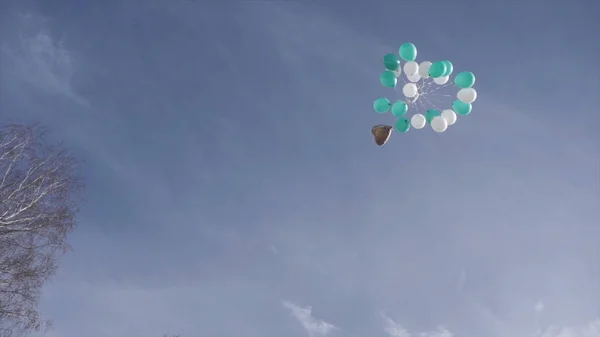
x,y
39,191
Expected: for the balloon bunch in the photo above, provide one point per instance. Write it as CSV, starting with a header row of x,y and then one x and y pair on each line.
x,y
421,86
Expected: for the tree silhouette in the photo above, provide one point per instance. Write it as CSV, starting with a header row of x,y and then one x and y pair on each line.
x,y
39,191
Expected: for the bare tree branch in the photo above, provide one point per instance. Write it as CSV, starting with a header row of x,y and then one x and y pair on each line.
x,y
39,191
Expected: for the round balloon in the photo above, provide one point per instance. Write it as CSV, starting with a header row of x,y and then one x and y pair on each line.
x,y
449,68
439,124
466,79
467,95
410,90
399,108
388,79
462,108
381,105
411,68
437,69
418,121
397,72
408,51
402,125
441,80
424,69
430,114
449,116
414,78
391,61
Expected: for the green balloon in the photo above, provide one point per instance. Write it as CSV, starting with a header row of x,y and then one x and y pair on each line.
x,y
437,69
402,125
381,105
391,62
464,80
462,108
399,108
449,68
388,79
430,114
408,51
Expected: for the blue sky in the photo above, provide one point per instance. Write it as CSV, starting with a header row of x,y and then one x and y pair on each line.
x,y
234,189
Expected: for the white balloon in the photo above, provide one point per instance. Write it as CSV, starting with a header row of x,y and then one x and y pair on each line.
x,y
424,69
411,68
414,78
410,90
441,80
439,124
467,95
397,72
418,121
449,116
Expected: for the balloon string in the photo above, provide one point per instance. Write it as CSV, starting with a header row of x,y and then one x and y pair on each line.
x,y
434,105
422,105
428,94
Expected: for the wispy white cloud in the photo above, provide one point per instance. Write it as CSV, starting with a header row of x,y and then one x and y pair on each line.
x,y
395,329
312,325
39,59
591,329
539,307
440,332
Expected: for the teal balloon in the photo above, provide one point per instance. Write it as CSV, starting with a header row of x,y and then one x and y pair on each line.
x,y
408,51
430,114
464,80
402,125
449,68
388,79
462,108
437,69
391,62
399,108
381,105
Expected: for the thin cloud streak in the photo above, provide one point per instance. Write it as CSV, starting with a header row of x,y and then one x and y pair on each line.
x,y
394,329
313,326
592,329
397,330
40,60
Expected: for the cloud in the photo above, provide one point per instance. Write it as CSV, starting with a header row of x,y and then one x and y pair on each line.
x,y
440,332
397,330
394,329
539,307
37,58
313,326
591,329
